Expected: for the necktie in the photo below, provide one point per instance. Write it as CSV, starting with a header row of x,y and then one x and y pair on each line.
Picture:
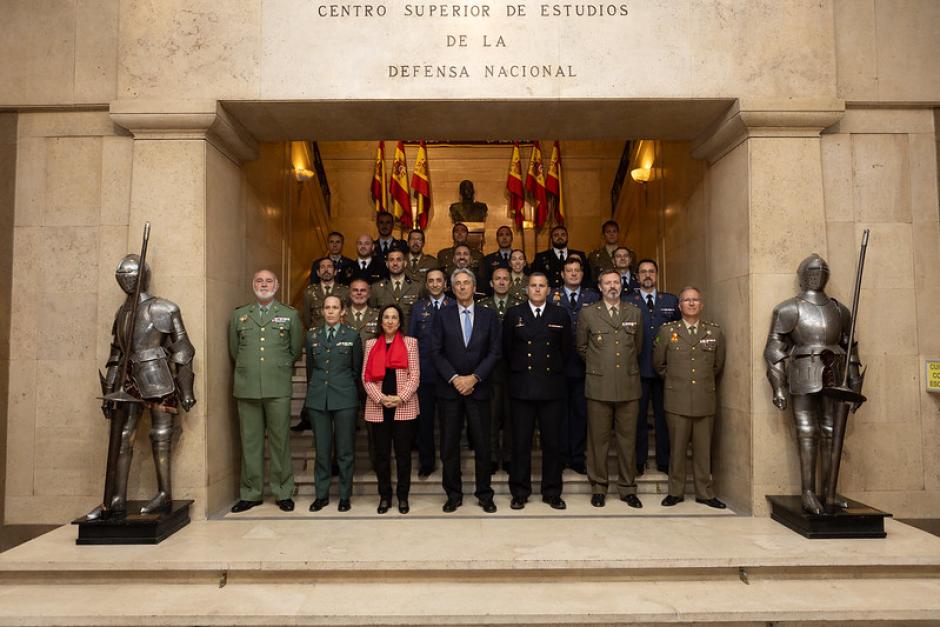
x,y
538,313
561,255
467,327
501,307
624,281
362,264
414,263
505,258
573,298
327,290
396,291
613,312
517,281
437,305
264,313
329,335
385,247
649,302
692,330
358,316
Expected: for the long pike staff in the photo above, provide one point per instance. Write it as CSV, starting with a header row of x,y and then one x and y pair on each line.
x,y
847,397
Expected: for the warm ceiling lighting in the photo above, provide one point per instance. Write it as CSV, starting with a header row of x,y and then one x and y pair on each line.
x,y
641,175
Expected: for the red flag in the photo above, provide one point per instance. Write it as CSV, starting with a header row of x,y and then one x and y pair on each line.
x,y
421,184
401,199
535,185
553,184
514,186
379,180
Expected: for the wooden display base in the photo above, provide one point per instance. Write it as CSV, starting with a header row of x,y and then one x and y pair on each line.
x,y
134,528
858,521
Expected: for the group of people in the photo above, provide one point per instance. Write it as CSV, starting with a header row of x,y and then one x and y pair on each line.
x,y
410,341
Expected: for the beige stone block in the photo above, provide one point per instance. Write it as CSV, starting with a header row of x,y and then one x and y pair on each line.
x,y
901,503
21,428
862,120
892,388
225,240
776,457
68,124
73,181
889,258
222,436
190,49
111,249
189,462
117,159
906,42
38,50
856,55
786,203
728,304
67,326
69,259
767,291
887,321
881,167
882,457
842,260
837,177
728,214
31,195
66,396
220,494
48,510
96,50
924,203
25,298
732,459
70,465
930,427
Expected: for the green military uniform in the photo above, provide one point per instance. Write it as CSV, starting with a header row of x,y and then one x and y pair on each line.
x,y
334,365
517,287
265,345
417,269
445,258
366,323
610,341
385,293
599,260
689,364
314,296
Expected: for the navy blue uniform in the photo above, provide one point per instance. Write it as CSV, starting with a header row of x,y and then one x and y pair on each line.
x,y
420,327
665,309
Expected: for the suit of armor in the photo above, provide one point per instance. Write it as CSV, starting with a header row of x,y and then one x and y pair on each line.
x,y
806,352
159,376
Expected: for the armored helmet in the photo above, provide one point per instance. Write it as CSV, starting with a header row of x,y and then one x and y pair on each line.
x,y
813,273
127,272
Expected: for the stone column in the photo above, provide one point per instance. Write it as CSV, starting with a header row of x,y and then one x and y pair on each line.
x,y
766,213
186,183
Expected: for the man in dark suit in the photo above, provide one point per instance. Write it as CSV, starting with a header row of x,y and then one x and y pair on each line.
x,y
536,342
657,308
551,262
466,346
386,242
499,258
572,297
334,247
367,266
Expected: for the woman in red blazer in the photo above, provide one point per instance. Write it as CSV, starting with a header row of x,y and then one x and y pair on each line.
x,y
390,375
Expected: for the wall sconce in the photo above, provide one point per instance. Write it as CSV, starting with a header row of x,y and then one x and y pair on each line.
x,y
303,174
641,175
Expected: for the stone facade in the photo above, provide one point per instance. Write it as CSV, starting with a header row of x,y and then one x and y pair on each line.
x,y
784,127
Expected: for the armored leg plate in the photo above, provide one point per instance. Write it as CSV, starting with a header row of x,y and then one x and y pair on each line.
x,y
856,521
133,528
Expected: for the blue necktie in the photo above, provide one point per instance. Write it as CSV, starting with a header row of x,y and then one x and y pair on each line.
x,y
467,327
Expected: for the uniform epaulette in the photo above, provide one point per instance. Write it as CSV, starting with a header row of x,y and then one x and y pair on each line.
x,y
711,324
672,325
381,283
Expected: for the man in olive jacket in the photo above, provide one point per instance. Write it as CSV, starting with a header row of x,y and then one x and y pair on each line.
x,y
689,355
609,338
265,339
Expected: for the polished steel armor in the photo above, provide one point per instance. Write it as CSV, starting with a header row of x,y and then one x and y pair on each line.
x,y
159,378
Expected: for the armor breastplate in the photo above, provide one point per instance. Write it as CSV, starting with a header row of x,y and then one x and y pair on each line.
x,y
148,357
818,328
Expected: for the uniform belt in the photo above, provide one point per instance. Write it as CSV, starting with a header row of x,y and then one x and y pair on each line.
x,y
148,354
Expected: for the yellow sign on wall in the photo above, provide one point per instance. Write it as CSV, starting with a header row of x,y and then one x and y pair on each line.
x,y
933,375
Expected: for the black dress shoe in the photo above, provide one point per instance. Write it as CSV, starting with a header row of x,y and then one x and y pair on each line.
x,y
670,500
344,505
452,504
488,506
301,426
579,468
555,502
286,505
494,468
663,469
383,506
517,503
632,500
243,505
424,473
712,502
598,500
506,467
403,506
319,504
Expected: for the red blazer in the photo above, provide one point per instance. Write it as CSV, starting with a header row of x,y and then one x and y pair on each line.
x,y
407,380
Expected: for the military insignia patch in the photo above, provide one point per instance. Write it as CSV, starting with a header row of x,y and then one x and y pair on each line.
x,y
674,338
243,318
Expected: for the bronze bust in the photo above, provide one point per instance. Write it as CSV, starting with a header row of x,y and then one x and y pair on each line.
x,y
467,210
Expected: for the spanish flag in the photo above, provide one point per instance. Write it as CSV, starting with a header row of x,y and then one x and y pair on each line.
x,y
379,180
535,185
401,199
514,187
553,184
421,184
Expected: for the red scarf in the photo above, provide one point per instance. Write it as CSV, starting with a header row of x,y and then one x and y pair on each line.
x,y
382,357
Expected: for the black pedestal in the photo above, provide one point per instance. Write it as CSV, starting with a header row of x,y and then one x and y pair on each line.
x,y
134,528
858,521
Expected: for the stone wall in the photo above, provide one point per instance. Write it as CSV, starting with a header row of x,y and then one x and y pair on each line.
x,y
7,186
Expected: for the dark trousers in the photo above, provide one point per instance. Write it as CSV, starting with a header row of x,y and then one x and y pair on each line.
x,y
478,421
500,423
384,434
525,414
341,425
427,403
574,425
652,391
